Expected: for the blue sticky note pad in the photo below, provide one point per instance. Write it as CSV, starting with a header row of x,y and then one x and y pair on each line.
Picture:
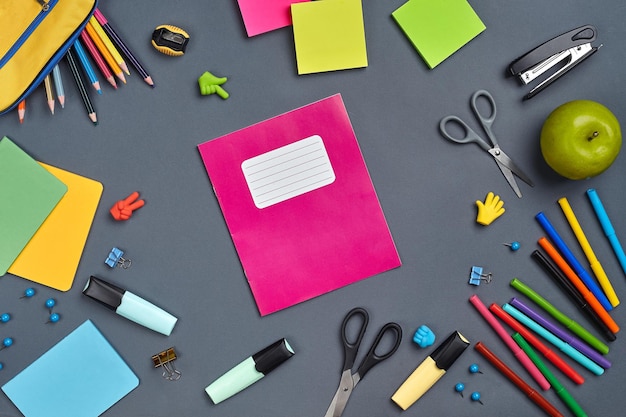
x,y
82,375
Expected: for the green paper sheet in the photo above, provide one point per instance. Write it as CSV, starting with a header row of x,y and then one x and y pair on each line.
x,y
28,193
439,28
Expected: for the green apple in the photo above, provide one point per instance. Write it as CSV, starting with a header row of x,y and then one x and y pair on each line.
x,y
580,139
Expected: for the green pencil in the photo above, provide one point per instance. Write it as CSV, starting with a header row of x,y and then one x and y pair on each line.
x,y
569,323
560,390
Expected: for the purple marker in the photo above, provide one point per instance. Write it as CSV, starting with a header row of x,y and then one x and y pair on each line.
x,y
560,333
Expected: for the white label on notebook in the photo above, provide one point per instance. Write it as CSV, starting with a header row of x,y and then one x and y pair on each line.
x,y
288,171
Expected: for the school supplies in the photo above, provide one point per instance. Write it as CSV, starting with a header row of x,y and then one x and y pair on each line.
x,y
299,239
84,95
123,209
98,59
490,145
117,57
491,209
170,40
165,360
261,17
84,61
58,84
82,375
607,226
29,193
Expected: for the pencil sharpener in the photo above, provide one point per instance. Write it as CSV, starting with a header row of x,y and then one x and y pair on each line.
x,y
170,40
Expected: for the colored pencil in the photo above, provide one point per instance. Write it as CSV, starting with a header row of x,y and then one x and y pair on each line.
x,y
534,396
58,85
71,60
47,83
84,61
548,353
109,45
97,57
123,47
115,68
21,110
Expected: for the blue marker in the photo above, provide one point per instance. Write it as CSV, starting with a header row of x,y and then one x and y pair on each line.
x,y
572,261
607,227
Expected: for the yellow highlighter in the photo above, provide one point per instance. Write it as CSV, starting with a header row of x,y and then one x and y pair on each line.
x,y
595,265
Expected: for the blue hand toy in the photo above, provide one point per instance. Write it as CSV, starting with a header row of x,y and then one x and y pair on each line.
x,y
424,337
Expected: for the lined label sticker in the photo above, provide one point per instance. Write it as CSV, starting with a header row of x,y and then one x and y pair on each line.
x,y
288,172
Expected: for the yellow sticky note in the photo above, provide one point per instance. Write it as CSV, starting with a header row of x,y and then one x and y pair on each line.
x,y
52,255
329,35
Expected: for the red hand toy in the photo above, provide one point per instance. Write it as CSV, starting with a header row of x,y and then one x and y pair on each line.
x,y
123,209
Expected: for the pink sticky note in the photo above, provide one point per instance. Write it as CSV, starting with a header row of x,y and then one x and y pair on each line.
x,y
299,204
260,16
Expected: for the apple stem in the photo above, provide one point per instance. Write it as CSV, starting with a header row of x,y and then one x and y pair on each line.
x,y
594,135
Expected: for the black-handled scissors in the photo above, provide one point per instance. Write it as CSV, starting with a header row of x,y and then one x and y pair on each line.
x,y
349,380
506,165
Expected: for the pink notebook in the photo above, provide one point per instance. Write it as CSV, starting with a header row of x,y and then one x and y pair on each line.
x,y
299,204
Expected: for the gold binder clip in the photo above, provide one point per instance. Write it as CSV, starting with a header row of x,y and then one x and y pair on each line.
x,y
166,359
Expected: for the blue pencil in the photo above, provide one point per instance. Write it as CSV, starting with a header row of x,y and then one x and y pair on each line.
x,y
572,261
58,85
82,57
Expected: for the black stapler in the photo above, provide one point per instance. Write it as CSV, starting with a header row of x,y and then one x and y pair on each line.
x,y
568,50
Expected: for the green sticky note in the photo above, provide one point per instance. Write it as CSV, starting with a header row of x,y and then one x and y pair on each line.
x,y
438,28
329,35
28,193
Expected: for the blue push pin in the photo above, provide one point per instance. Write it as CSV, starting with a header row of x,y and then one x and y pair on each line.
x,y
54,317
5,318
513,245
50,302
6,343
1,366
115,259
474,369
28,293
476,397
459,388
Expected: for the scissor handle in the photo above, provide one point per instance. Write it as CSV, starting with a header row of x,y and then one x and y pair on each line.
x,y
372,358
486,122
352,348
470,135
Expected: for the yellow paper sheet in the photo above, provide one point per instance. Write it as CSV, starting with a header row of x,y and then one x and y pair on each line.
x,y
51,257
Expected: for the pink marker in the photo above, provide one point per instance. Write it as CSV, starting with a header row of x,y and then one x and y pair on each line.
x,y
508,340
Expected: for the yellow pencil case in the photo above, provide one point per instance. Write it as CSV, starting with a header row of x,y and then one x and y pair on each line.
x,y
34,36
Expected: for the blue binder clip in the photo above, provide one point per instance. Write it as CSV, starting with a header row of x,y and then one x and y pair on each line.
x,y
476,276
115,259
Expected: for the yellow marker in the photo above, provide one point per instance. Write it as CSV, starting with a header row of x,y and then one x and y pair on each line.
x,y
109,45
595,265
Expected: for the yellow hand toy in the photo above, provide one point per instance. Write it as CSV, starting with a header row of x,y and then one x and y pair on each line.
x,y
490,210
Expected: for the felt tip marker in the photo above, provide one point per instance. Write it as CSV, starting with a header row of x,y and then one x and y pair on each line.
x,y
249,371
130,306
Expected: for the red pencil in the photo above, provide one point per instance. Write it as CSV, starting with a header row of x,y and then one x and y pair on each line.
x,y
95,54
536,397
548,353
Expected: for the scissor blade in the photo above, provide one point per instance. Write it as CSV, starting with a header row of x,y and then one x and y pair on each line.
x,y
510,178
340,399
509,168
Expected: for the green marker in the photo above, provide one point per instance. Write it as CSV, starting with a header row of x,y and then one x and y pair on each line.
x,y
562,318
560,390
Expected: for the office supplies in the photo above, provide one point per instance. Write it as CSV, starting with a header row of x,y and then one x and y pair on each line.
x,y
572,261
534,396
115,258
170,40
165,359
430,370
569,323
249,371
314,237
130,306
6,342
84,95
28,293
474,369
86,65
579,285
29,193
515,245
210,84
329,35
264,17
607,226
47,82
35,37
576,343
532,339
123,209
351,376
5,317
560,390
438,29
459,387
506,338
566,50
53,318
491,209
115,68
21,110
476,276
595,265
506,165
547,335
98,59
423,336
58,84
476,397
53,254
109,45
117,40
82,375
50,303
577,297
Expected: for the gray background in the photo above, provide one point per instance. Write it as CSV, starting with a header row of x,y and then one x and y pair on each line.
x,y
183,257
